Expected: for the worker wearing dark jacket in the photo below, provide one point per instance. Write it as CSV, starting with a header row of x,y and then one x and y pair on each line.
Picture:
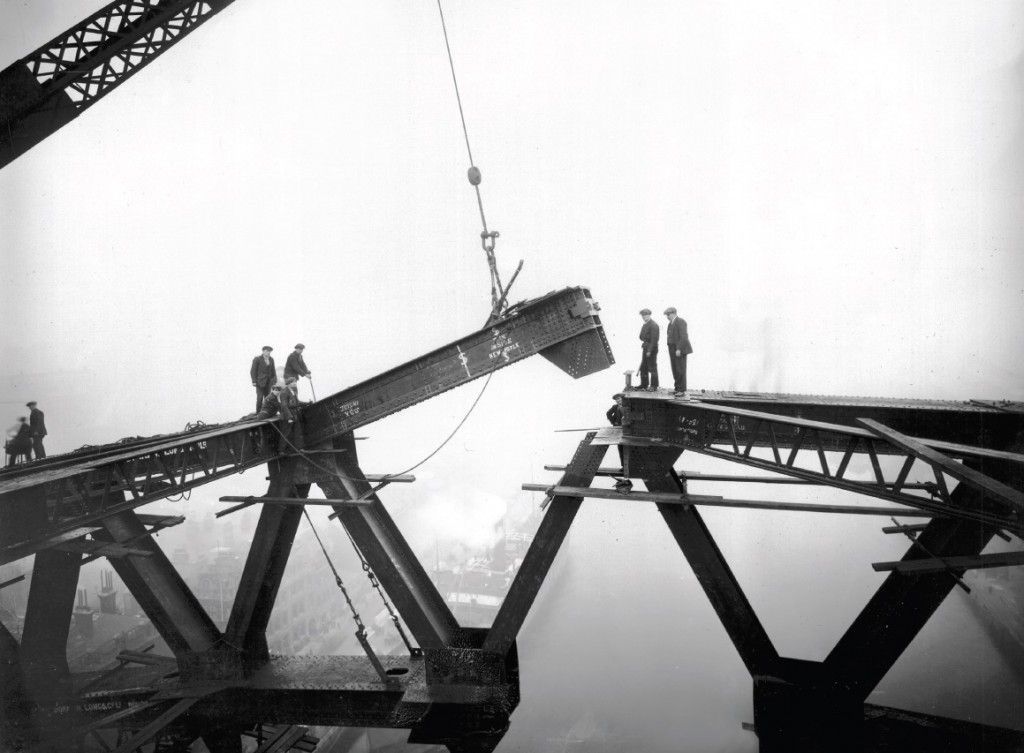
x,y
282,400
678,348
37,424
20,441
278,401
295,366
649,333
263,373
615,415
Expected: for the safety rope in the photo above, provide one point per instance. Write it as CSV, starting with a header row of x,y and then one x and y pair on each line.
x,y
488,238
360,627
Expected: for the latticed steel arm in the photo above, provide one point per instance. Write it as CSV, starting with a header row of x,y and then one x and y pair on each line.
x,y
57,82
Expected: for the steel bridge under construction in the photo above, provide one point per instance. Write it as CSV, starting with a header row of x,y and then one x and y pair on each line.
x,y
459,686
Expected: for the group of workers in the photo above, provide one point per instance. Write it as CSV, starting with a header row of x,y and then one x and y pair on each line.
x,y
26,436
273,397
678,341
679,347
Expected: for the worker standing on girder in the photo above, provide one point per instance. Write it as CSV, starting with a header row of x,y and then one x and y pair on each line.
x,y
649,334
264,375
295,367
615,415
678,349
37,423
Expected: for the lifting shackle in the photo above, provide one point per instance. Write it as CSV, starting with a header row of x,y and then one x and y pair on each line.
x,y
487,239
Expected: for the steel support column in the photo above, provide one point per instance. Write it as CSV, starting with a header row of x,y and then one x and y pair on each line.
x,y
654,466
903,604
160,590
541,554
386,550
264,569
51,601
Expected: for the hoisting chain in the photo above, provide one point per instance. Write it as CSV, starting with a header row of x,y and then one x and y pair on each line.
x,y
360,627
413,651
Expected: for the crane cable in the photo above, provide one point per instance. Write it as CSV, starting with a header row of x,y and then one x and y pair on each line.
x,y
487,237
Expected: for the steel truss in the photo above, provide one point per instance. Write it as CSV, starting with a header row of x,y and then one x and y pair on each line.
x,y
798,448
218,684
53,85
820,706
449,690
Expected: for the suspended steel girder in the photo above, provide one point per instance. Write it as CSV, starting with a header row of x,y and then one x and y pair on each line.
x,y
564,319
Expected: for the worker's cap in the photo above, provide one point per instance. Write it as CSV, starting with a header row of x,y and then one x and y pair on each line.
x,y
267,347
30,403
645,312
670,310
299,346
616,396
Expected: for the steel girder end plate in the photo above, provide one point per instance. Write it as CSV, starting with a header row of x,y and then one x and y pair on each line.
x,y
582,354
466,697
585,352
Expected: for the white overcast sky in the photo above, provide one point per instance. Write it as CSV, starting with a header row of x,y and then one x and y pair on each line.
x,y
830,192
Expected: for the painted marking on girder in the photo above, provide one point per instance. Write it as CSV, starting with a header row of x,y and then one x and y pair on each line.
x,y
464,360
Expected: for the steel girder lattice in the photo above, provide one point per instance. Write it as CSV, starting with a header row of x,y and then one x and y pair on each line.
x,y
57,82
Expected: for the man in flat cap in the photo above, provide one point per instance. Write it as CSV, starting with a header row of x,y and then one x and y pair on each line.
x,y
37,423
649,333
264,375
295,367
678,349
615,415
